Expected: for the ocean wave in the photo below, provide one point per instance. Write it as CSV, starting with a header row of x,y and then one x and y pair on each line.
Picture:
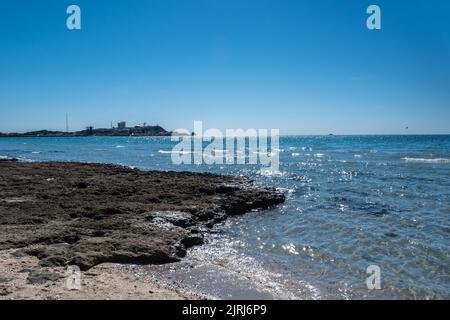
x,y
25,159
318,155
267,154
290,248
287,191
218,151
299,148
17,158
270,173
432,160
176,152
226,253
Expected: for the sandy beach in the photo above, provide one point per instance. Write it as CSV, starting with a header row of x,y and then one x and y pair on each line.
x,y
23,278
102,217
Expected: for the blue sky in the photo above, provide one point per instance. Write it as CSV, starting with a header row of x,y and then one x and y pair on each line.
x,y
306,67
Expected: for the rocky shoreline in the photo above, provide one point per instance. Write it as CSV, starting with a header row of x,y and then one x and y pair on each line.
x,y
67,213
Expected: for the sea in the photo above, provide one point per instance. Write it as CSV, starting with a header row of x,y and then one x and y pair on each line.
x,y
366,217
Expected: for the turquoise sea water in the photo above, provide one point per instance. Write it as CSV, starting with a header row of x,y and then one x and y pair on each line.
x,y
353,201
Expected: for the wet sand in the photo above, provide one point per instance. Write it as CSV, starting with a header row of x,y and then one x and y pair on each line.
x,y
57,214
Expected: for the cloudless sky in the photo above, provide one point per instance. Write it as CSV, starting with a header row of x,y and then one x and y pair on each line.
x,y
303,66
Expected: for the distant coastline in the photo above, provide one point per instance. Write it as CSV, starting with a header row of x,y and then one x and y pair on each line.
x,y
91,131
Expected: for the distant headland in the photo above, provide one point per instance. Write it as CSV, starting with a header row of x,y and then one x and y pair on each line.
x,y
120,130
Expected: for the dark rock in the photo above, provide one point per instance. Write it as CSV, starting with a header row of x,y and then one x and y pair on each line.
x,y
81,185
39,277
109,211
193,240
177,218
4,279
92,226
391,234
226,189
4,291
207,191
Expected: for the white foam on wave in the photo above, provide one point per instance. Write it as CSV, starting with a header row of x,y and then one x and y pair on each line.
x,y
175,152
290,248
425,160
263,153
266,172
219,151
223,251
318,155
18,159
314,155
287,191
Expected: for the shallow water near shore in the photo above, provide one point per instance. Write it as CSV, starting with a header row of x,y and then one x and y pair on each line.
x,y
353,201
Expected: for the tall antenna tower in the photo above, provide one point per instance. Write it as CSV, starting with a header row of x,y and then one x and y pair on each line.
x,y
67,123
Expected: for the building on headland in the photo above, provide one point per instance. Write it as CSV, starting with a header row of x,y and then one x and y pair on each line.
x,y
121,130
